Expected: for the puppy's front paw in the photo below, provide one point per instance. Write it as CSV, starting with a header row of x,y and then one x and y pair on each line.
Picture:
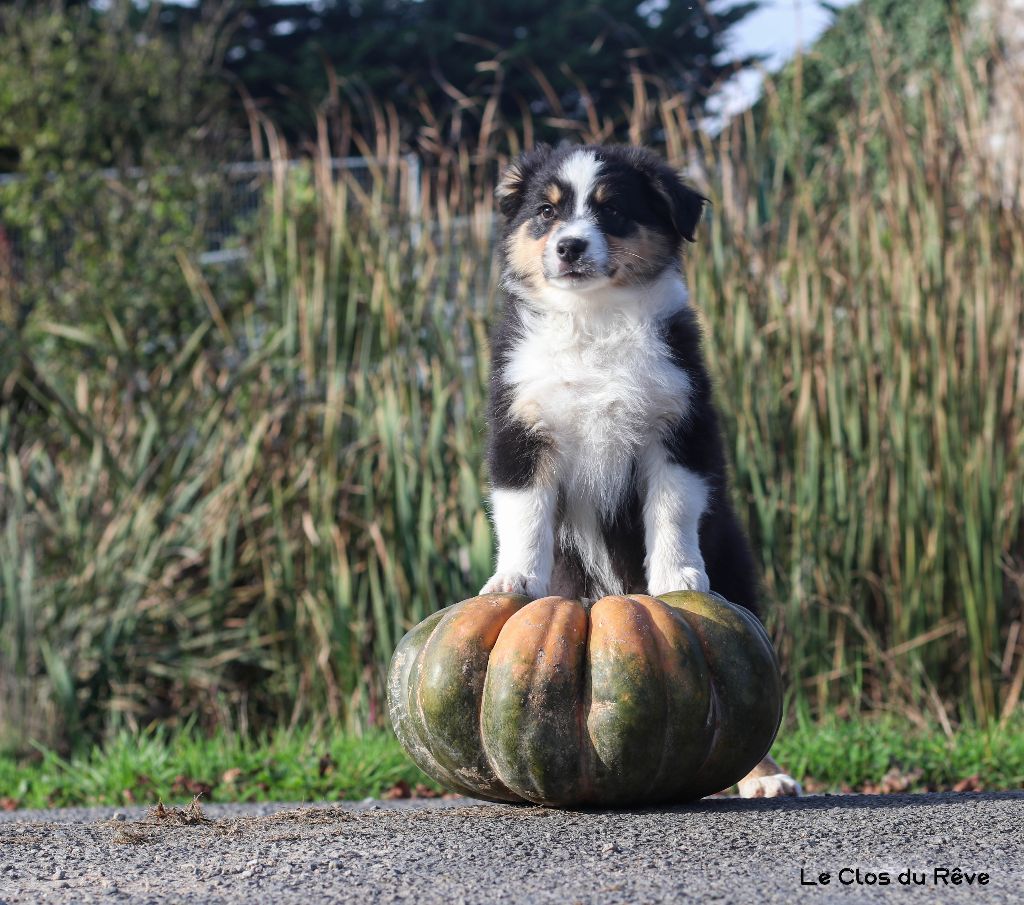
x,y
778,785
685,578
513,583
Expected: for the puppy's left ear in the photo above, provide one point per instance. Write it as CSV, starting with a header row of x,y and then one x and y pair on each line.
x,y
511,188
685,206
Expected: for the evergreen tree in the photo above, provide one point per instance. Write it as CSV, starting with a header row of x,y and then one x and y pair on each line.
x,y
547,59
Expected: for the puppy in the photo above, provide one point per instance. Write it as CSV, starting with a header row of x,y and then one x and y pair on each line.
x,y
607,468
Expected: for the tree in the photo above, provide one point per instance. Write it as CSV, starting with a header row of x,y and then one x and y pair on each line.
x,y
103,89
82,92
550,60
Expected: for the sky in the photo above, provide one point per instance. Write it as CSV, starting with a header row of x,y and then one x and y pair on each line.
x,y
781,27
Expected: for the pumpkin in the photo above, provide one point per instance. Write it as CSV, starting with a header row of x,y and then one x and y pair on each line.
x,y
628,700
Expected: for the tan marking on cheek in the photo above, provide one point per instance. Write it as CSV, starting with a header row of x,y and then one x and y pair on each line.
x,y
526,254
642,254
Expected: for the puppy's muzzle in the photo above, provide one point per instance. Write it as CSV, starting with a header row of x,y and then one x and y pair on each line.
x,y
580,256
570,249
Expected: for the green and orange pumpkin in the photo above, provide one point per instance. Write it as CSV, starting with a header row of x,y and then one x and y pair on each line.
x,y
629,700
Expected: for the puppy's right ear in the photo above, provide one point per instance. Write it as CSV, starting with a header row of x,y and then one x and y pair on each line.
x,y
511,188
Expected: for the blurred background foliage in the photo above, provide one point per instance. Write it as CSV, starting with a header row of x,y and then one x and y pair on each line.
x,y
908,43
227,490
113,129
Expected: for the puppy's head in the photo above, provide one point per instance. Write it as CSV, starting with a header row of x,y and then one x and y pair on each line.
x,y
583,218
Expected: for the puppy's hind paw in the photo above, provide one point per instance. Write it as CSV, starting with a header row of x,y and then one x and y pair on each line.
x,y
778,785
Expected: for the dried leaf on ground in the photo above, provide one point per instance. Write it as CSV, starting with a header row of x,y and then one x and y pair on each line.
x,y
231,776
188,784
894,781
400,789
970,784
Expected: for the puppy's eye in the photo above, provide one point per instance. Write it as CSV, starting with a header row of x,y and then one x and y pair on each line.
x,y
611,211
546,212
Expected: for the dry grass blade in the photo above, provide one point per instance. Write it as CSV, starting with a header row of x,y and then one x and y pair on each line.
x,y
192,815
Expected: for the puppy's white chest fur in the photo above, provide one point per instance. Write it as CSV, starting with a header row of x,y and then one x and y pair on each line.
x,y
600,391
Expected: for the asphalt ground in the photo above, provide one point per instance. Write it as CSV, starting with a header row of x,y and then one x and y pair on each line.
x,y
959,847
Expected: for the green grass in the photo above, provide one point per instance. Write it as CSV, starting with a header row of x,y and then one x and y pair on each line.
x,y
335,765
292,765
884,751
233,522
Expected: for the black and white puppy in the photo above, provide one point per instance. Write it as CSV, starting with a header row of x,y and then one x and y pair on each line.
x,y
607,467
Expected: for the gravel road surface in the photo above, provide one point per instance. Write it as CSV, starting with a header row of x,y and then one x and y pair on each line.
x,y
460,851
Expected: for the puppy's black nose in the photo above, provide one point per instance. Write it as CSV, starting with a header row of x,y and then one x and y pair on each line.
x,y
570,249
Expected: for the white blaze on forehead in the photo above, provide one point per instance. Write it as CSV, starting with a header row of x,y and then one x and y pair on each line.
x,y
580,170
